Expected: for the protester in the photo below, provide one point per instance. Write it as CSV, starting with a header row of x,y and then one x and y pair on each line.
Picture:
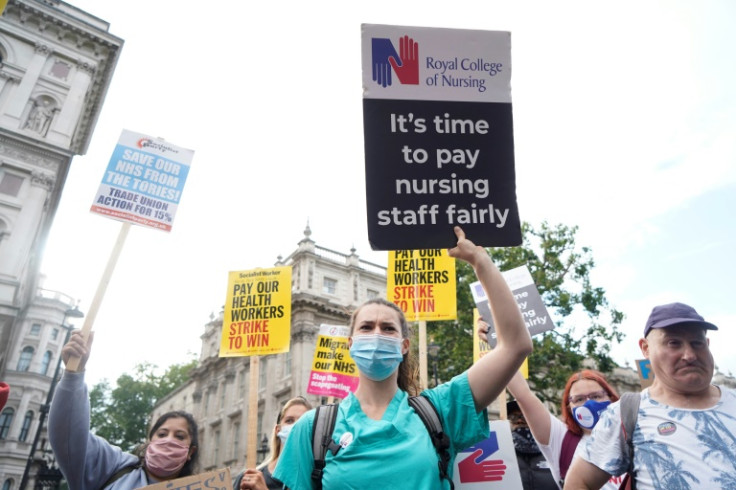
x,y
533,467
586,393
383,442
89,462
292,410
4,392
685,433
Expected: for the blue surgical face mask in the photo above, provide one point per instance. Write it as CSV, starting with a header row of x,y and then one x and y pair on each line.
x,y
284,432
377,356
588,414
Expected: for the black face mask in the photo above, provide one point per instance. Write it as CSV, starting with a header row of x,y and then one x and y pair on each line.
x,y
524,441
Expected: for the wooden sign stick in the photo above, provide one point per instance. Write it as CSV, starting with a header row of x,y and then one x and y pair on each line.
x,y
423,375
502,413
250,456
89,320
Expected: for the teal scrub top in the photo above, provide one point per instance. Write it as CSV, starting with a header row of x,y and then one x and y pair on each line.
x,y
395,452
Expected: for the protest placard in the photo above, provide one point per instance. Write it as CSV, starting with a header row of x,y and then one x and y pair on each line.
x,y
333,370
422,284
142,185
646,375
143,181
211,480
257,316
438,137
490,463
535,314
481,347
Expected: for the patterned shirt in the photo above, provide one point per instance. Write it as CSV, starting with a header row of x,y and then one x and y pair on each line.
x,y
674,448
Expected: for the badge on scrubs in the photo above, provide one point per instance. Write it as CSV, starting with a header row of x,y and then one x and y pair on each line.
x,y
346,439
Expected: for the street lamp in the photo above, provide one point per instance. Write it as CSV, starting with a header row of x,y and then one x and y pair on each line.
x,y
262,449
44,409
433,352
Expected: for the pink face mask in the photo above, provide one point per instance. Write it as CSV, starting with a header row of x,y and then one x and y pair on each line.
x,y
164,457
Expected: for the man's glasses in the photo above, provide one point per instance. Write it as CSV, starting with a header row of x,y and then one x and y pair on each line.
x,y
516,417
596,396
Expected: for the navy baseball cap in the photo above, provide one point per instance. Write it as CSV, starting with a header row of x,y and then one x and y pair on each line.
x,y
512,406
675,314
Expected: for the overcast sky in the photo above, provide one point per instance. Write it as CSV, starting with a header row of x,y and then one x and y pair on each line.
x,y
624,125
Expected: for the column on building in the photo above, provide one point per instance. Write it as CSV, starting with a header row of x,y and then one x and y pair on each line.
x,y
23,91
62,130
24,230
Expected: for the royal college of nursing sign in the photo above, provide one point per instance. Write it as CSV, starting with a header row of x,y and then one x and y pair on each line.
x,y
438,132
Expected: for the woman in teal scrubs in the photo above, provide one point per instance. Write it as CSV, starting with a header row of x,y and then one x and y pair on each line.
x,y
384,443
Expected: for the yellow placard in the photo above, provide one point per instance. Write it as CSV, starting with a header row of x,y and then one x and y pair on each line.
x,y
211,480
422,284
333,370
257,317
481,347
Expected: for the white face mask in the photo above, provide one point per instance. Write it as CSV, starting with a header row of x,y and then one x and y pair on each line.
x,y
284,432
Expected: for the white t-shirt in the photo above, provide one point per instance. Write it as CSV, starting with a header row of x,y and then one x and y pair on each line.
x,y
673,447
552,451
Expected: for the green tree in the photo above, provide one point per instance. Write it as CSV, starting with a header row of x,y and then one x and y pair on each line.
x,y
586,324
121,414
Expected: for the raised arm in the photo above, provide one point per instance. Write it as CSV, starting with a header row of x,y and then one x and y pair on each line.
x,y
535,413
489,376
583,475
86,460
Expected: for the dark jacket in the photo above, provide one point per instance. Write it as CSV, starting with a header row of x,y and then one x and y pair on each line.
x,y
533,468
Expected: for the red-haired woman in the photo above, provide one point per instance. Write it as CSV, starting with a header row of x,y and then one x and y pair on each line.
x,y
587,393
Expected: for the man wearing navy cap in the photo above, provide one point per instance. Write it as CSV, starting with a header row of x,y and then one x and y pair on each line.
x,y
685,434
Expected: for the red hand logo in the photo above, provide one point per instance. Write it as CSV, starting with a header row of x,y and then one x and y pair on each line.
x,y
408,72
473,471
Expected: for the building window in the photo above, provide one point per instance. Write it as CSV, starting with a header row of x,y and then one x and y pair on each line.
x,y
55,334
236,440
6,418
26,426
329,285
25,359
243,377
45,362
371,293
259,424
287,364
222,394
262,375
35,329
216,459
8,484
60,70
10,184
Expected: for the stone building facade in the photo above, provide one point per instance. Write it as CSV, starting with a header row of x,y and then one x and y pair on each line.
x,y
56,64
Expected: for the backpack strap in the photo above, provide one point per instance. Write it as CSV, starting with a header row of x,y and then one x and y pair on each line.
x,y
441,442
120,473
322,428
629,413
569,444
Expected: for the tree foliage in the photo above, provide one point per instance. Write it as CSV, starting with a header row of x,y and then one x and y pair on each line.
x,y
121,414
586,324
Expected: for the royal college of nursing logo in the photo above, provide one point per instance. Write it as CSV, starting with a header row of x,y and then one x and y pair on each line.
x,y
404,64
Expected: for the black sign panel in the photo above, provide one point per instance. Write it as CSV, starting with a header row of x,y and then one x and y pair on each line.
x,y
432,165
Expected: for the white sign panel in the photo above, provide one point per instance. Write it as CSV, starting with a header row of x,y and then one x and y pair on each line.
x,y
489,464
143,181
